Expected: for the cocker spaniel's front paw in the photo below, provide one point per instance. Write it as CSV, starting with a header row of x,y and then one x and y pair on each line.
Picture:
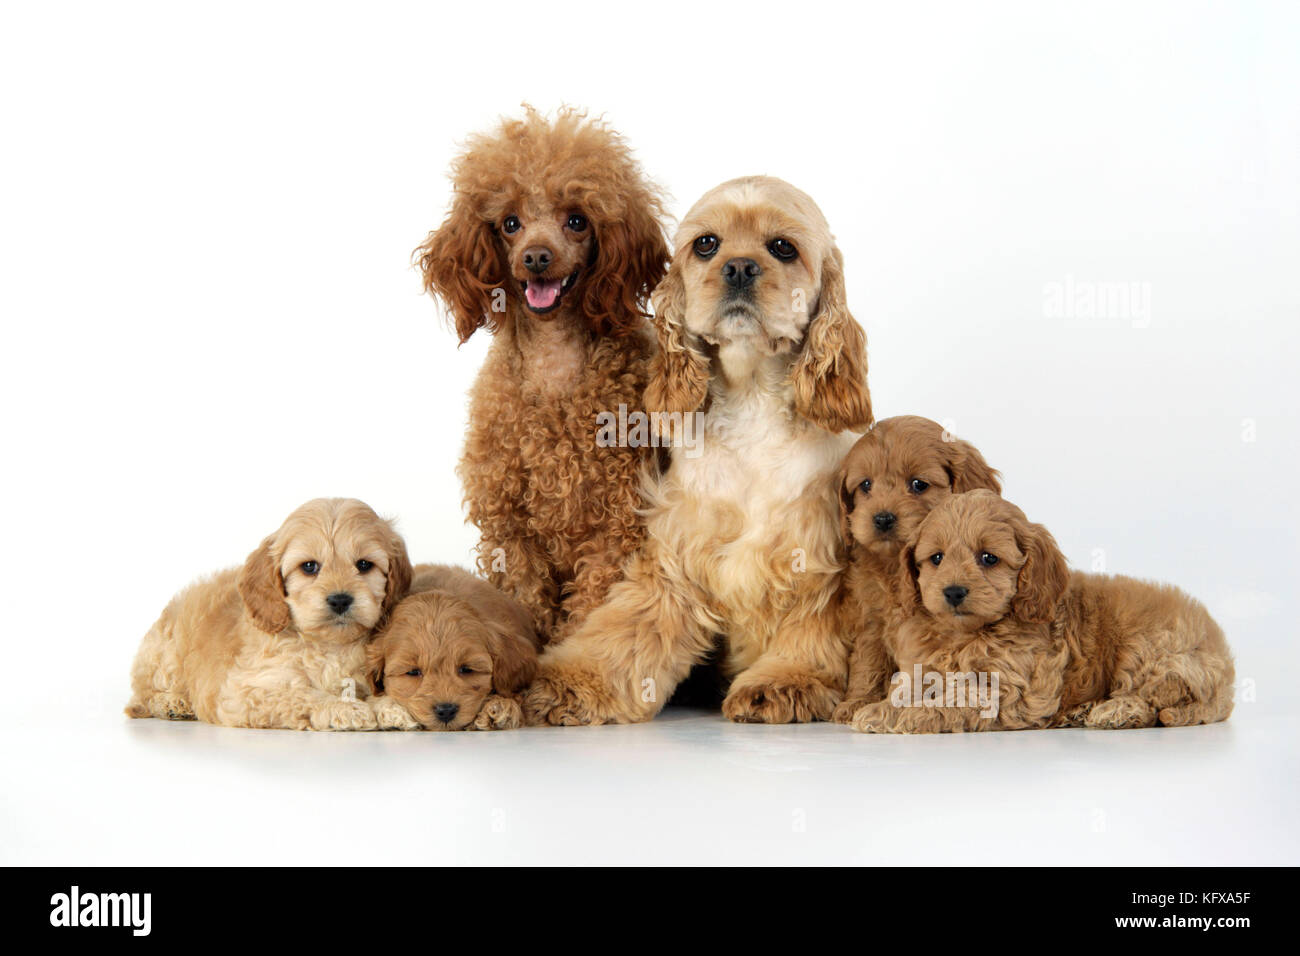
x,y
499,713
343,715
846,709
793,698
564,698
872,718
390,715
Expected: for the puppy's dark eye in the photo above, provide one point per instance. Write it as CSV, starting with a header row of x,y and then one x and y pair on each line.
x,y
988,560
918,486
464,669
865,487
363,565
310,567
511,224
706,246
782,249
415,672
937,558
577,222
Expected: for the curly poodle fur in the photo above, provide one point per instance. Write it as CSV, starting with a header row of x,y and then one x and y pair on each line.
x,y
553,243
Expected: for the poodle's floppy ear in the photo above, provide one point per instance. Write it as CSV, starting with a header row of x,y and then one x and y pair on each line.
x,y
967,469
261,587
375,663
462,263
630,257
514,661
907,586
398,582
679,371
830,378
846,506
1043,576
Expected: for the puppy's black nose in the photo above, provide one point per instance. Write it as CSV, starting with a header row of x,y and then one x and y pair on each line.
x,y
446,712
954,594
339,602
884,520
741,273
537,259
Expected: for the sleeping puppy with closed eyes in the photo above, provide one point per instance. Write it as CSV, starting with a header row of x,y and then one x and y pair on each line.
x,y
456,655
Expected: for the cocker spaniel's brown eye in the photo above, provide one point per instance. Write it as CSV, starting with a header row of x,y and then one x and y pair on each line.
x,y
782,249
706,246
511,224
937,558
415,672
577,222
464,669
917,485
865,487
987,559
310,567
363,565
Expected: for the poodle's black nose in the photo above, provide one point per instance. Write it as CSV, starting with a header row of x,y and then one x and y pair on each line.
x,y
446,712
954,594
537,259
741,273
884,520
339,602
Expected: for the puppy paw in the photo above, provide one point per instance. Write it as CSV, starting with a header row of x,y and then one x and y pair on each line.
x,y
499,713
872,718
1073,716
343,715
390,715
1120,713
793,699
170,707
560,700
846,709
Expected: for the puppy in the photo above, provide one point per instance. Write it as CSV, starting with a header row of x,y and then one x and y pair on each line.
x,y
280,642
761,359
553,243
455,655
987,599
889,482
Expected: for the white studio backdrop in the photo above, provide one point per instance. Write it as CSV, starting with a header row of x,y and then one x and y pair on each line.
x,y
209,313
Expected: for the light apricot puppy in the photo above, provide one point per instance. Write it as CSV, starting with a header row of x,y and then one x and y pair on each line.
x,y
985,592
280,642
455,655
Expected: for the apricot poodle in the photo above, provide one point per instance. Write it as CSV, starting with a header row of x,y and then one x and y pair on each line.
x,y
987,600
280,642
553,243
758,350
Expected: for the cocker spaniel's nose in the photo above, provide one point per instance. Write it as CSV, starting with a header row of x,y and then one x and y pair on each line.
x,y
954,594
339,602
446,712
537,259
884,520
741,273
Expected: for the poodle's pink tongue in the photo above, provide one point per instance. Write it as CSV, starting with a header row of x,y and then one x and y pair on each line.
x,y
542,293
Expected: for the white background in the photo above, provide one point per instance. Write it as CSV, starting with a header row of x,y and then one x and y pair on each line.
x,y
206,217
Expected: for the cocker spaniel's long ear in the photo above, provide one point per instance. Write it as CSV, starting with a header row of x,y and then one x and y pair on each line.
x,y
846,507
261,587
514,662
1043,576
376,661
398,583
967,469
830,378
679,371
907,585
462,263
630,259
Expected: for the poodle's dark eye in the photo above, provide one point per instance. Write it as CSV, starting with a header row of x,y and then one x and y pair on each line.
x,y
577,222
464,669
918,486
415,672
988,560
511,224
937,558
706,246
363,565
782,249
865,487
310,567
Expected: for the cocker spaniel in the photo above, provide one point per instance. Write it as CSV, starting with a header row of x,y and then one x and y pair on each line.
x,y
455,655
757,347
891,479
280,642
553,243
988,602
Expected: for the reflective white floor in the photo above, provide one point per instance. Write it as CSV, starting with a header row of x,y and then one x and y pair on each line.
x,y
687,788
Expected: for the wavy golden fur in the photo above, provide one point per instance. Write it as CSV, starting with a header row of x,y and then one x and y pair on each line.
x,y
279,642
742,540
553,243
985,591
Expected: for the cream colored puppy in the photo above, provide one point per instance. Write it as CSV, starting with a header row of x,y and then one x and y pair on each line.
x,y
280,642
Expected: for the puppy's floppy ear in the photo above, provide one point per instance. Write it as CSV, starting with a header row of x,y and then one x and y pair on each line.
x,y
398,582
830,378
375,663
630,257
907,586
967,469
462,263
514,661
261,587
846,507
679,371
1043,576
